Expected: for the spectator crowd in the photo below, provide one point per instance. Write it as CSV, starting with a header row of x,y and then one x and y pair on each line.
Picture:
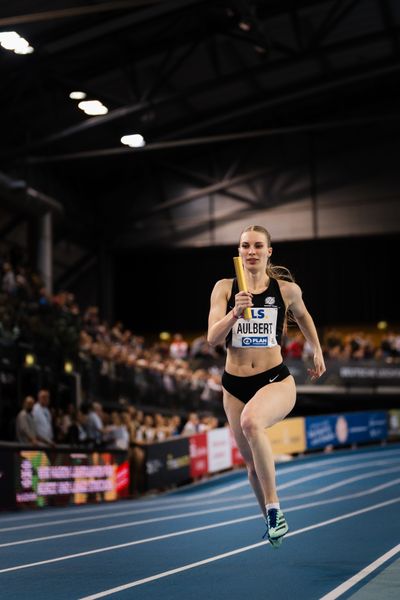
x,y
179,374
39,424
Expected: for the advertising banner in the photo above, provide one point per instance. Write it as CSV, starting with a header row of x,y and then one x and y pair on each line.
x,y
198,455
355,373
346,428
237,458
56,478
219,449
288,436
167,463
394,423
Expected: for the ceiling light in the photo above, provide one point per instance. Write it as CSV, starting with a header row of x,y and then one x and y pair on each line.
x,y
93,107
11,40
27,50
245,25
77,95
134,141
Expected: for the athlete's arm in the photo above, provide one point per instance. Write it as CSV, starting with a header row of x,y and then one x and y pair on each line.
x,y
220,323
295,303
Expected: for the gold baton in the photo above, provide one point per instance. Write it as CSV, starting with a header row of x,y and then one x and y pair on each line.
x,y
237,260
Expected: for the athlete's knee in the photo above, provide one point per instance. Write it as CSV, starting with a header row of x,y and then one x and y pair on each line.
x,y
250,424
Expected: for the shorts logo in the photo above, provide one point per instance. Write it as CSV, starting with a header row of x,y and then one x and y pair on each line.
x,y
269,300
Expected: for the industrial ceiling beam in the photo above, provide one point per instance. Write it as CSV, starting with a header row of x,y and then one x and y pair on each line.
x,y
219,82
77,11
201,178
200,193
112,26
215,139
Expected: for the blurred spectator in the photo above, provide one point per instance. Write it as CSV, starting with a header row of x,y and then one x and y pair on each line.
x,y
294,348
25,425
179,347
42,417
94,423
116,435
175,425
8,284
192,424
212,391
76,434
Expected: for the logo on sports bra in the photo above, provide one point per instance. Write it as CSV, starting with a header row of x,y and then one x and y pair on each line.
x,y
269,300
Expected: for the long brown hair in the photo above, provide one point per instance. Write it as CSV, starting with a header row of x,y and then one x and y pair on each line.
x,y
274,271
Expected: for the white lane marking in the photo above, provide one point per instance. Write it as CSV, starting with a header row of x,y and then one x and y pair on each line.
x,y
127,544
322,473
104,510
346,585
133,523
343,482
294,468
167,535
211,559
244,505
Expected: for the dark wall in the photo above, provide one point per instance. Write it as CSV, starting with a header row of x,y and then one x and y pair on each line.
x,y
348,280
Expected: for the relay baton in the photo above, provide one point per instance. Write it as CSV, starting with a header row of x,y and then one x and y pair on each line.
x,y
237,260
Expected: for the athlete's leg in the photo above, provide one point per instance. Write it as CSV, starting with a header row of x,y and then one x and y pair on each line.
x,y
233,410
267,407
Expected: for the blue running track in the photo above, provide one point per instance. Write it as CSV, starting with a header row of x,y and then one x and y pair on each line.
x,y
203,542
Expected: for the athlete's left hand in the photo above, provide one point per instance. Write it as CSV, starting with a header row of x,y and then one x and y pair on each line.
x,y
319,366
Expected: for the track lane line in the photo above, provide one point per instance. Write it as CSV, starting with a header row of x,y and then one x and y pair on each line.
x,y
211,559
111,507
209,511
280,487
192,530
349,583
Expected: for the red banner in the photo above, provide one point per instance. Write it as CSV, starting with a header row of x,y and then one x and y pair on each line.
x,y
237,458
198,455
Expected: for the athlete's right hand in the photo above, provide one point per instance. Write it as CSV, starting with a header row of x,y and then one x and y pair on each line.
x,y
242,300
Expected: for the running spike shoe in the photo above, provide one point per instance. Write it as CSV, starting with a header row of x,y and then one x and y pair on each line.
x,y
276,527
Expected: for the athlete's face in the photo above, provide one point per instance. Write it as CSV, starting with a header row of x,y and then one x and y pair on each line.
x,y
254,249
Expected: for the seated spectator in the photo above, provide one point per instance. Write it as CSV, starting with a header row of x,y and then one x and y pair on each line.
x,y
175,424
116,435
192,425
294,347
146,432
178,348
212,391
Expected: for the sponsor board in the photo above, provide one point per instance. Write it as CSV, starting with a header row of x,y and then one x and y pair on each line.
x,y
219,449
167,462
288,436
48,477
237,458
394,422
345,428
198,447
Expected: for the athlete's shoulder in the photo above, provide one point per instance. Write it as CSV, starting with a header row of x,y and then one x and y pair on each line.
x,y
223,284
223,287
289,289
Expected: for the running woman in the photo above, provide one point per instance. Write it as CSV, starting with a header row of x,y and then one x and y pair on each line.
x,y
258,389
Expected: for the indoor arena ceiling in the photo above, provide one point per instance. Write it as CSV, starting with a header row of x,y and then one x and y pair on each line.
x,y
217,89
